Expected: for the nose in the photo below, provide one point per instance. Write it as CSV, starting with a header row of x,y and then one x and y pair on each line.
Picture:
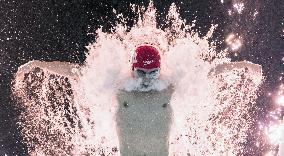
x,y
147,75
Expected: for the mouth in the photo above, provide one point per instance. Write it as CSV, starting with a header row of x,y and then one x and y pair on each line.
x,y
146,83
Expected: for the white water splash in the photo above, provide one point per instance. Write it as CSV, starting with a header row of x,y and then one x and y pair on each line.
x,y
211,112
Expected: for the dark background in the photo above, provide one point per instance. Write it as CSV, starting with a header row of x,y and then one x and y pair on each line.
x,y
59,29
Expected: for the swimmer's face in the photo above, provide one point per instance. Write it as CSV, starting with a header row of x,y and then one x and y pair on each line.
x,y
147,75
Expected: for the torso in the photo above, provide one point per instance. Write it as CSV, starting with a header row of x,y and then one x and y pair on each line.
x,y
143,122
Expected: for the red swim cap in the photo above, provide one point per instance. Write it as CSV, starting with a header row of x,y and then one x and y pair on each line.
x,y
147,57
